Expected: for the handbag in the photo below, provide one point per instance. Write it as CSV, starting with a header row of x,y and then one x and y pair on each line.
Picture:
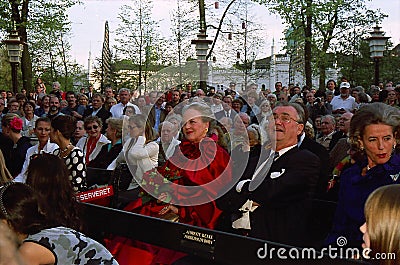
x,y
173,217
122,177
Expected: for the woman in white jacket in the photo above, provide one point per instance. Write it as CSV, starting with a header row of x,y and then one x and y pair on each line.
x,y
139,154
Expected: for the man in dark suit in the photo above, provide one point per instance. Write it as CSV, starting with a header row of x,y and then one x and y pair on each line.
x,y
227,109
283,192
90,93
98,110
157,114
309,144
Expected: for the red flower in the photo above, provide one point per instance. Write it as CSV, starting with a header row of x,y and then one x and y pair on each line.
x,y
16,124
155,182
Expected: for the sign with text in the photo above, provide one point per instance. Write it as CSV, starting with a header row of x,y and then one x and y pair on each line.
x,y
203,242
95,194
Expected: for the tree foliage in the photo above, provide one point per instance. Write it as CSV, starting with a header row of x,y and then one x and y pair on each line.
x,y
137,37
337,26
45,27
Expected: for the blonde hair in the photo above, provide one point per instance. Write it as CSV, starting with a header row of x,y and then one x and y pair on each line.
x,y
116,124
6,120
5,175
382,213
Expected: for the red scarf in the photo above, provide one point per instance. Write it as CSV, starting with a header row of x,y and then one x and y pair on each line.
x,y
91,145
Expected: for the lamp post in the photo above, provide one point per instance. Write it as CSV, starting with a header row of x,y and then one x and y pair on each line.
x,y
377,43
202,47
14,49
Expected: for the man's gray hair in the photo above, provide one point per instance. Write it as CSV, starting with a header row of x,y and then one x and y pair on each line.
x,y
124,90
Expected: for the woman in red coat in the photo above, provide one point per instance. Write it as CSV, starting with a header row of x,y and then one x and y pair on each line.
x,y
197,173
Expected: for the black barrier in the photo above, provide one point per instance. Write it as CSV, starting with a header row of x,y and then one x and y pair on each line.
x,y
208,246
97,176
320,221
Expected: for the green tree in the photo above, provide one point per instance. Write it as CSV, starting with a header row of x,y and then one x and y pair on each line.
x,y
45,27
137,37
184,28
362,67
321,26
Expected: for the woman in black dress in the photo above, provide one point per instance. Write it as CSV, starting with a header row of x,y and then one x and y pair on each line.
x,y
12,126
62,130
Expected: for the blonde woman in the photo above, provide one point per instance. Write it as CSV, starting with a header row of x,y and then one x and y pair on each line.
x,y
5,175
381,231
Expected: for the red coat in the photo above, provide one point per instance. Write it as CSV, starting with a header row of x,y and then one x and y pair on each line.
x,y
197,164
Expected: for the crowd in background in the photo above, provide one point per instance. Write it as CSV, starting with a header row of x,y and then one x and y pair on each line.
x,y
124,131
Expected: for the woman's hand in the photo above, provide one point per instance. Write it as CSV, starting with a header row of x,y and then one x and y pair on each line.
x,y
164,198
168,208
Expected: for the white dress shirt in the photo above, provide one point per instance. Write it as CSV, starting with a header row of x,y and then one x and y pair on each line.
x,y
48,148
118,109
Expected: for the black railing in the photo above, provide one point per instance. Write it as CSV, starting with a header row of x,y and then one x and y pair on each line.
x,y
208,246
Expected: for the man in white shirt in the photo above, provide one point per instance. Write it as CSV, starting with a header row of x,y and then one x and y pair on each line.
x,y
343,102
216,103
124,96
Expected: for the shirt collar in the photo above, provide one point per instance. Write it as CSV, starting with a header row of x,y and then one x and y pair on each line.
x,y
284,150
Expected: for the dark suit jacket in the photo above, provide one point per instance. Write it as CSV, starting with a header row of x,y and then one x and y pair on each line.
x,y
335,138
220,114
105,157
285,200
103,114
325,170
152,116
89,96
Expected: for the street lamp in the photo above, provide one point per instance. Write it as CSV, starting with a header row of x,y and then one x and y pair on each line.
x,y
14,49
201,53
202,46
377,43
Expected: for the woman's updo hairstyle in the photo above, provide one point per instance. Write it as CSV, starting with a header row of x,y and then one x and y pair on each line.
x,y
373,113
206,113
13,121
65,124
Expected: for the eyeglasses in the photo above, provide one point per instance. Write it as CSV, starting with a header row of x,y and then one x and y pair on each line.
x,y
92,127
285,118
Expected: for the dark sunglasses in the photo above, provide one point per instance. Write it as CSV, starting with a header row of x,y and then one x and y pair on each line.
x,y
92,127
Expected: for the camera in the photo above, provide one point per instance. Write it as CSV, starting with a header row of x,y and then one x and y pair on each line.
x,y
318,100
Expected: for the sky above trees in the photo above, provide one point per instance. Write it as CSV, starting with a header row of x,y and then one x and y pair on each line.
x,y
88,24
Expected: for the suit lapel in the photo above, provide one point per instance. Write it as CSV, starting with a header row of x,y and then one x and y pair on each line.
x,y
282,161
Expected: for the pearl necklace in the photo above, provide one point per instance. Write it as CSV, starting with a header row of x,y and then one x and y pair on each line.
x,y
65,149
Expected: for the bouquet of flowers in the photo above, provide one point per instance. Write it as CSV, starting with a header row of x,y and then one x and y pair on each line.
x,y
157,181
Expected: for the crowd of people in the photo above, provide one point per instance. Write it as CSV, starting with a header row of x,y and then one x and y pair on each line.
x,y
243,162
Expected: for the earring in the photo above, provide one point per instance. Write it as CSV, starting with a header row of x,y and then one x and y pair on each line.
x,y
361,148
